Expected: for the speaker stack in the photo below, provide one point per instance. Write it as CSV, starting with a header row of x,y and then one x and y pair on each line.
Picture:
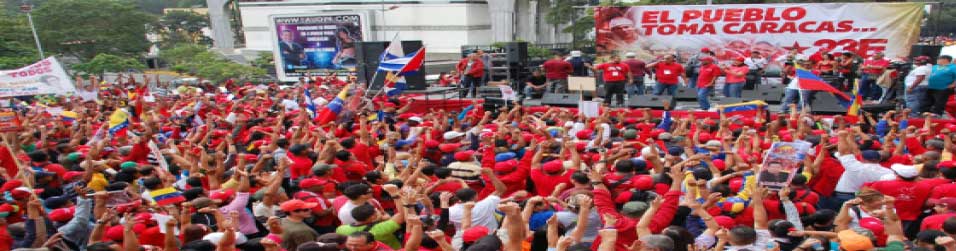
x,y
826,104
685,93
770,94
655,102
560,99
925,50
368,52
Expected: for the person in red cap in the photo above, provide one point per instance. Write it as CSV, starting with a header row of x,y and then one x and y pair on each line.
x,y
693,65
736,77
549,175
706,80
472,70
944,209
294,222
615,75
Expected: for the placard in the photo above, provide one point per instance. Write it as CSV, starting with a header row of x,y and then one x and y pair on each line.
x,y
9,122
782,163
317,42
588,84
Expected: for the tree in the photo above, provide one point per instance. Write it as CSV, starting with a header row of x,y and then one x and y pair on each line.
x,y
199,61
17,48
177,27
104,63
84,28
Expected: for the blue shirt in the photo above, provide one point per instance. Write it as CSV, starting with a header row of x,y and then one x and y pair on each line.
x,y
942,77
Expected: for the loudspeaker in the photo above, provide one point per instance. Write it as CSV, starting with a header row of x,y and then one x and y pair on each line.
x,y
655,102
925,50
772,96
489,92
560,99
725,100
685,94
368,52
493,104
517,52
826,104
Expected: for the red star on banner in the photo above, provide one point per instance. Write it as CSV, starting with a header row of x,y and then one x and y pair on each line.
x,y
796,45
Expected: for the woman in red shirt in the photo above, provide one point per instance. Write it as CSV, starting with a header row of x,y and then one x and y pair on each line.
x,y
736,78
444,79
826,66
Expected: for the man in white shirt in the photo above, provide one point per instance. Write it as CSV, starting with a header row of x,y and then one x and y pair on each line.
x,y
916,83
358,194
856,172
756,63
483,214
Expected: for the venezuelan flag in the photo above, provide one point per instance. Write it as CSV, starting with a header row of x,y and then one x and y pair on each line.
x,y
119,120
69,116
166,196
854,109
751,108
808,81
332,110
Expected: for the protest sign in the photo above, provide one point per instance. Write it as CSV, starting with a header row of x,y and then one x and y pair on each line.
x,y
44,77
736,30
9,122
782,163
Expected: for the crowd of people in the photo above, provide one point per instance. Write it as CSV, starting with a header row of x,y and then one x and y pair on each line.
x,y
314,166
914,83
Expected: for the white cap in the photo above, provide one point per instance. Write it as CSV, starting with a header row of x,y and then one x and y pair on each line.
x,y
416,119
575,53
905,171
215,237
452,135
621,21
630,54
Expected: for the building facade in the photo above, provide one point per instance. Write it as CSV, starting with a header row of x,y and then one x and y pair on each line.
x,y
443,26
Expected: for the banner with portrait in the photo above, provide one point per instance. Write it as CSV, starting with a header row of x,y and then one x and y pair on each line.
x,y
44,77
736,30
782,163
316,42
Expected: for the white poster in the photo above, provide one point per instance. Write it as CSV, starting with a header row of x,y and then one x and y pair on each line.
x,y
44,77
507,93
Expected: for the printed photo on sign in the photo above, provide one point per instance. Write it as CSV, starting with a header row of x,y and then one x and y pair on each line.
x,y
9,122
782,163
316,43
44,77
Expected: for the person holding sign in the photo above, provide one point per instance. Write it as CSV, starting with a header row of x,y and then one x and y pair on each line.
x,y
615,74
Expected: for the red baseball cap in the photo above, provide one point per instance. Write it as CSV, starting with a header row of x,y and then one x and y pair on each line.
x,y
293,205
464,155
474,234
310,182
222,195
552,166
62,214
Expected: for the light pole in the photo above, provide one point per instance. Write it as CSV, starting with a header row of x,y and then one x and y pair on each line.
x,y
27,8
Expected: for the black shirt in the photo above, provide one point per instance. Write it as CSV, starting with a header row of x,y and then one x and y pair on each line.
x,y
539,80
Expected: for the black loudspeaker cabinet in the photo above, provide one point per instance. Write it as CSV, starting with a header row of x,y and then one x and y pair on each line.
x,y
561,99
826,104
368,53
770,96
493,104
685,93
517,52
655,102
878,108
925,50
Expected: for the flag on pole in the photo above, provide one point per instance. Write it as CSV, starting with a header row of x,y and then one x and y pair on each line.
x,y
118,122
806,80
332,110
665,121
857,103
308,103
395,64
167,196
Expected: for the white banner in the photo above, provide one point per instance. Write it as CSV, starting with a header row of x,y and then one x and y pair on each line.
x,y
735,30
44,77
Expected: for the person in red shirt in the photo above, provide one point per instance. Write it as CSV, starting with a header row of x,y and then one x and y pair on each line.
x,y
638,70
945,190
557,71
547,176
626,220
472,70
945,209
616,75
910,196
301,163
872,69
668,74
706,80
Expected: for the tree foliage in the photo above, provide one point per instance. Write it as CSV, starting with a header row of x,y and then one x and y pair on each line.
x,y
104,63
84,28
199,61
176,27
17,48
